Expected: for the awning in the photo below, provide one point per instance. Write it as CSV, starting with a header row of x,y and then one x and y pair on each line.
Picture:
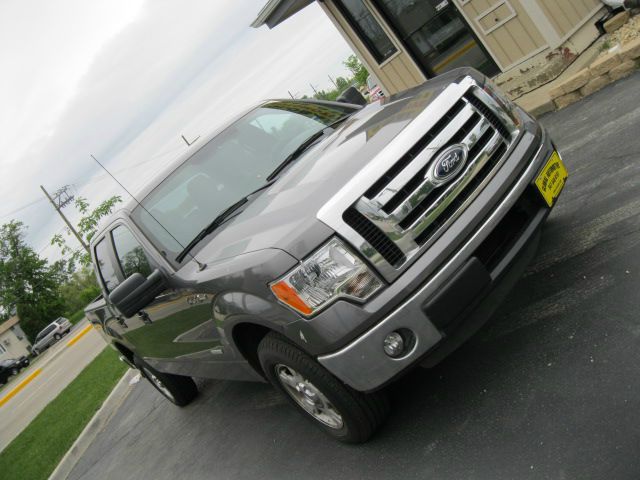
x,y
277,11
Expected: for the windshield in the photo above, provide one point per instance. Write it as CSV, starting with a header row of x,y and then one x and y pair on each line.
x,y
231,165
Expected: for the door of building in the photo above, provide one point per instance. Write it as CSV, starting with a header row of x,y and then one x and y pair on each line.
x,y
436,35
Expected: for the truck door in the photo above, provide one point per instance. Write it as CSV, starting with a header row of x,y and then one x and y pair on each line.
x,y
177,325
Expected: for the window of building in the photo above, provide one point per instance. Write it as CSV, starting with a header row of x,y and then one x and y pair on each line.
x,y
368,29
105,266
130,254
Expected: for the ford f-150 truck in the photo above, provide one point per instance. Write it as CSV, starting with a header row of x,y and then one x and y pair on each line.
x,y
328,248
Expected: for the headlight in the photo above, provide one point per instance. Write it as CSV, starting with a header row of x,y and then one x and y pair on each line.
x,y
332,272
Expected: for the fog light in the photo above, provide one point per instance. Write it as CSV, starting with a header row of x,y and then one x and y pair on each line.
x,y
394,344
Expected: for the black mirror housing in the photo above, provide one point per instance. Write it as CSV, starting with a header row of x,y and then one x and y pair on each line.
x,y
352,95
136,292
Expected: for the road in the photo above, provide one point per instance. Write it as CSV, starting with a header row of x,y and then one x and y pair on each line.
x,y
59,365
549,389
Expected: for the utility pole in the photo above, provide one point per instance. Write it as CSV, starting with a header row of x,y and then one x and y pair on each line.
x,y
334,83
61,198
313,88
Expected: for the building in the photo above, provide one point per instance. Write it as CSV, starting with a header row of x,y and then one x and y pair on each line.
x,y
403,42
13,341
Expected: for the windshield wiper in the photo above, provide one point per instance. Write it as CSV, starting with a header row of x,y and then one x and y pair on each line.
x,y
303,146
218,221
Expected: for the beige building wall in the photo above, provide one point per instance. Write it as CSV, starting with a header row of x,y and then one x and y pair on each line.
x,y
567,15
512,31
506,29
13,343
398,72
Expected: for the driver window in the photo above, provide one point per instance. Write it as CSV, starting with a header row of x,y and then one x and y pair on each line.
x,y
131,256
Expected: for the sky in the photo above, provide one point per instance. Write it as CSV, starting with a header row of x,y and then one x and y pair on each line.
x,y
124,79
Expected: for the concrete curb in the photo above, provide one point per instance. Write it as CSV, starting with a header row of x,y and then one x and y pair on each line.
x,y
94,427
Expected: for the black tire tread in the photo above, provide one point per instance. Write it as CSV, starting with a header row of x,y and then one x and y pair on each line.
x,y
183,389
364,413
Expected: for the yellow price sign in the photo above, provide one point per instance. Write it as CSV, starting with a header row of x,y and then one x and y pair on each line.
x,y
551,180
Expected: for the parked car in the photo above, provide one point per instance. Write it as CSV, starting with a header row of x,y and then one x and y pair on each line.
x,y
11,366
328,248
51,334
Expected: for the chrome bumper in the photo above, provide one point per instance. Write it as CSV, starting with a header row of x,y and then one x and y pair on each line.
x,y
362,364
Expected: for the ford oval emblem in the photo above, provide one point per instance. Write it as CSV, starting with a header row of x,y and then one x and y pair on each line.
x,y
449,163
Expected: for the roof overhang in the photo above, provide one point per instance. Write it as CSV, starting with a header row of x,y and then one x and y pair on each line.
x,y
8,324
277,11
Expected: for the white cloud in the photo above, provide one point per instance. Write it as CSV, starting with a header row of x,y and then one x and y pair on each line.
x,y
124,79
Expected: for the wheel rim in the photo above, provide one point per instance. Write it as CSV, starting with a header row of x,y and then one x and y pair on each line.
x,y
309,397
156,382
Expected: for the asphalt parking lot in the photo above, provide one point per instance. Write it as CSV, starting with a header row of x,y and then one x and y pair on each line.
x,y
550,388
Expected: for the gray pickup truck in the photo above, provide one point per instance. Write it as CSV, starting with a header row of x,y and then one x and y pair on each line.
x,y
328,247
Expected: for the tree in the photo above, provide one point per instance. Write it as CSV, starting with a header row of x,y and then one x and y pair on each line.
x,y
87,228
342,83
79,290
357,69
29,285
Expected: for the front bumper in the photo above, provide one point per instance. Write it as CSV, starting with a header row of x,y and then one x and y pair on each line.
x,y
449,307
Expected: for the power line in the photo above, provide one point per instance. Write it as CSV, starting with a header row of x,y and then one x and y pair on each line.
x,y
22,207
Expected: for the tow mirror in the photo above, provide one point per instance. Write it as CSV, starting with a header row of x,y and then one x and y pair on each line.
x,y
137,291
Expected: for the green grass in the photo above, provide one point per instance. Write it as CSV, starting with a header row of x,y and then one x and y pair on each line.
x,y
77,316
36,452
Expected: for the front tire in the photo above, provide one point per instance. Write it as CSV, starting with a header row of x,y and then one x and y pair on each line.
x,y
344,413
178,389
57,337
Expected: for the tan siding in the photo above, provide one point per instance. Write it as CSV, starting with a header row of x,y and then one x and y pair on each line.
x,y
513,41
566,15
396,74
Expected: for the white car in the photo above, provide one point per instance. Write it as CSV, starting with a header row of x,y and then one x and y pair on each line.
x,y
51,334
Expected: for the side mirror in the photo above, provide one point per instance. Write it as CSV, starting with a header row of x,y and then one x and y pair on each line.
x,y
352,95
136,292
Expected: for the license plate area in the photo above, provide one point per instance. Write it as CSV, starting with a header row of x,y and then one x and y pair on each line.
x,y
552,178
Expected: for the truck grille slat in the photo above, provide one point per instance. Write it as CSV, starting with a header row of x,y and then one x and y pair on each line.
x,y
377,187
406,209
418,179
372,234
459,200
489,115
423,206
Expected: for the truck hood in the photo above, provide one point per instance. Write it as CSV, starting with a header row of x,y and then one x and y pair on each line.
x,y
284,215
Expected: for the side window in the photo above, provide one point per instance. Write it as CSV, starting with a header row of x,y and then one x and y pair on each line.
x,y
130,254
106,266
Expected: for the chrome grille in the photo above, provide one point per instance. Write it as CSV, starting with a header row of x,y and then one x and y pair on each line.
x,y
405,209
